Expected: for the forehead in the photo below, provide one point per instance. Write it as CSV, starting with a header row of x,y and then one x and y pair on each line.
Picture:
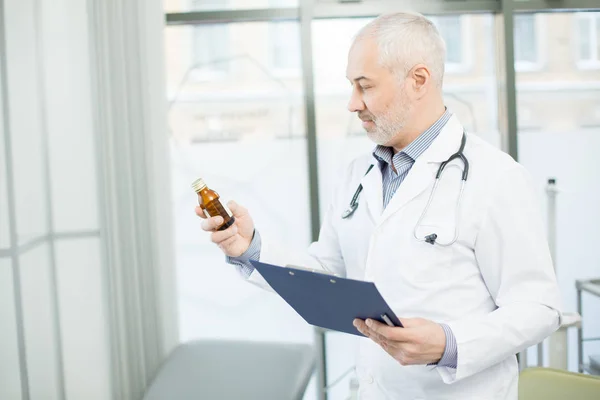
x,y
363,59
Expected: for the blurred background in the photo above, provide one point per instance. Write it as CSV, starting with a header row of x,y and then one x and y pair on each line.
x,y
110,109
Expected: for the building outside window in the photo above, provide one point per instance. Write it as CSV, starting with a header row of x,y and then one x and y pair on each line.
x,y
453,29
210,44
284,39
588,37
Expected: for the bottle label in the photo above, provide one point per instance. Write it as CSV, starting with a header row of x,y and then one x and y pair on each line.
x,y
216,208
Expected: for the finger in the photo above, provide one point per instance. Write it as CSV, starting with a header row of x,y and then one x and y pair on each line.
x,y
378,337
378,327
360,326
200,213
224,245
212,223
236,209
364,329
387,332
220,236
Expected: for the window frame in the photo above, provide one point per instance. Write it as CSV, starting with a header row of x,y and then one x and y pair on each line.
x,y
281,72
466,63
206,73
594,18
539,64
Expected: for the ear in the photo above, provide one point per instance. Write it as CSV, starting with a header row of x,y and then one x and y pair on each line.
x,y
420,79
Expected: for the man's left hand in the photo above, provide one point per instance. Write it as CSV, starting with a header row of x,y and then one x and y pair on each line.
x,y
420,341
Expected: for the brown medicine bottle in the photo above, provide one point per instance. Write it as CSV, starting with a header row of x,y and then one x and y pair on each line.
x,y
209,202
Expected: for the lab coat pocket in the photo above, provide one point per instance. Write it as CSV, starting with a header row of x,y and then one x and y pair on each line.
x,y
432,262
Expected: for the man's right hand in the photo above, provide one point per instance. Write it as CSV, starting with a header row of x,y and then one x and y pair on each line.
x,y
236,239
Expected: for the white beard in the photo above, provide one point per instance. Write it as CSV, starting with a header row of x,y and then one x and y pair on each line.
x,y
391,121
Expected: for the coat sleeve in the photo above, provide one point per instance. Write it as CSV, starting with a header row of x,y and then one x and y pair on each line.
x,y
514,259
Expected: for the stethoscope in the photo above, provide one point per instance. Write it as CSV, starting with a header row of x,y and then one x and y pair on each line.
x,y
431,238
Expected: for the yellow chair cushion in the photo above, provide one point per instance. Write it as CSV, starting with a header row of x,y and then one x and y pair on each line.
x,y
552,384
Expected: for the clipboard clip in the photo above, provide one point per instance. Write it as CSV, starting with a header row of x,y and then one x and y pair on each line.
x,y
317,271
387,320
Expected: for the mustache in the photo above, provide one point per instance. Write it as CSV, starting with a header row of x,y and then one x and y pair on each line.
x,y
366,116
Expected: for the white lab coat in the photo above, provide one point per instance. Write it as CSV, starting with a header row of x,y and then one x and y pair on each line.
x,y
495,287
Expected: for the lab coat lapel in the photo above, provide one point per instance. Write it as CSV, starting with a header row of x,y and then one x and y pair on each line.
x,y
373,190
418,179
422,174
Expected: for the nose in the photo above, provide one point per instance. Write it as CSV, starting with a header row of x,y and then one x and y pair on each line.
x,y
356,103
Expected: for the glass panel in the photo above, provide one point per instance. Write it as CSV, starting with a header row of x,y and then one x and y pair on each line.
x,y
526,47
39,322
205,5
285,47
559,137
69,116
597,31
341,357
585,37
83,319
339,133
450,28
211,47
9,353
25,120
4,222
246,137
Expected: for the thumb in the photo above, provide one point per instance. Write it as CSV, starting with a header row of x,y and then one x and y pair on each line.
x,y
236,209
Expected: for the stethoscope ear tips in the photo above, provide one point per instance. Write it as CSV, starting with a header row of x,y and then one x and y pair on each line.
x,y
350,210
431,238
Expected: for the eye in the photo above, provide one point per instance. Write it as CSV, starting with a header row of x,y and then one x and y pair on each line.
x,y
365,87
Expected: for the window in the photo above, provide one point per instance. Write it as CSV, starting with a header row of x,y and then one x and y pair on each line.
x,y
452,30
527,55
245,136
284,38
588,35
285,47
178,6
558,136
210,44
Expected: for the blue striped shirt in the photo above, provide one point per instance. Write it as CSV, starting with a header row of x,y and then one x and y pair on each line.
x,y
402,162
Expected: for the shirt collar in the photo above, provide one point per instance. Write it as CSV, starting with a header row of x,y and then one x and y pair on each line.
x,y
416,147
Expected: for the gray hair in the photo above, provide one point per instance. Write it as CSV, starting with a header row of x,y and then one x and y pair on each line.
x,y
405,40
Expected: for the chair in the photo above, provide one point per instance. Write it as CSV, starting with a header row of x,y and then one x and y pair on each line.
x,y
223,370
552,384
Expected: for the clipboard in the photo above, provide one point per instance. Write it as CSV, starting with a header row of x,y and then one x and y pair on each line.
x,y
327,301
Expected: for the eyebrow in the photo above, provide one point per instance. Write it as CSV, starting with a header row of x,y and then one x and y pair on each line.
x,y
360,78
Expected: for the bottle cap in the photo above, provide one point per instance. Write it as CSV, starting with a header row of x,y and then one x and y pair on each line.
x,y
198,184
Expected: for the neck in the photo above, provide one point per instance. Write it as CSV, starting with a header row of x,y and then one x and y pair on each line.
x,y
413,129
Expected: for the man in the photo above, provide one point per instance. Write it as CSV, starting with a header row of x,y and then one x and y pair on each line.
x,y
473,285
